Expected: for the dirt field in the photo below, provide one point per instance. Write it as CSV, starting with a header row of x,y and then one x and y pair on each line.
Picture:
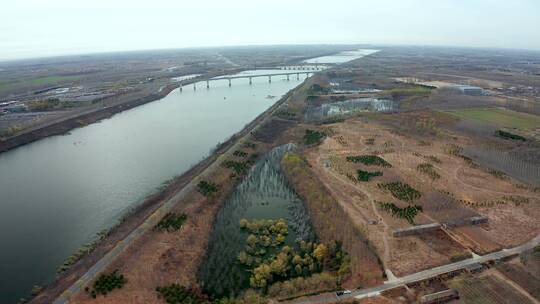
x,y
522,275
457,191
488,288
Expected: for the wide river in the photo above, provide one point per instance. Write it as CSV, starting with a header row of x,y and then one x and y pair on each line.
x,y
58,192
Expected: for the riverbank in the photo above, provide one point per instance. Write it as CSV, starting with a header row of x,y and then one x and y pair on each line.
x,y
66,124
149,207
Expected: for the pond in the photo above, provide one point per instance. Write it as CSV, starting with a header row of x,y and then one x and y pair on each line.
x,y
263,194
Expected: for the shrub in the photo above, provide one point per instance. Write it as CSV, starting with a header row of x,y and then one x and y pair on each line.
x,y
508,135
365,176
401,191
316,89
332,120
240,153
207,188
250,145
408,213
369,141
429,170
239,168
285,114
459,257
106,283
369,160
171,222
313,137
177,294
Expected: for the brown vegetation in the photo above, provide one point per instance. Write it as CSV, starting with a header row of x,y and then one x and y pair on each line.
x,y
332,222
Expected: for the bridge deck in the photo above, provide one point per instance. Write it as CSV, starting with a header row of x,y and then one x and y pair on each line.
x,y
262,75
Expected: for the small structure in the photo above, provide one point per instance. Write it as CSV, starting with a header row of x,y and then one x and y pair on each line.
x,y
440,297
474,220
416,229
470,90
474,268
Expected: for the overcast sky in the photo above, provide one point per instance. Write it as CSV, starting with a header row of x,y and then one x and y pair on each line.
x,y
36,28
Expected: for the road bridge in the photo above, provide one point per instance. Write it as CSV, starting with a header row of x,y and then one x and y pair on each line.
x,y
250,77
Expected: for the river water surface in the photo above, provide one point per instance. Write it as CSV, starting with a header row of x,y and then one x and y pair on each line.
x,y
58,192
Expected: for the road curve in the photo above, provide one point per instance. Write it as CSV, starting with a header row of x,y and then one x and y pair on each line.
x,y
427,274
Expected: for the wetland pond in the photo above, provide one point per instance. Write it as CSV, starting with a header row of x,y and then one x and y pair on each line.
x,y
263,194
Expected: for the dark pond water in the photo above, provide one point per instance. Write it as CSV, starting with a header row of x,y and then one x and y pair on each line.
x,y
263,194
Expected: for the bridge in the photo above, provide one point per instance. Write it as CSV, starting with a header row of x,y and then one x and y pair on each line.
x,y
250,77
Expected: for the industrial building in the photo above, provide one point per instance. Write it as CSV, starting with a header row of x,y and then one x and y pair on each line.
x,y
470,90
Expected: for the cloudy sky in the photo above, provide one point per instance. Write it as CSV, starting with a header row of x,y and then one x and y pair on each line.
x,y
37,28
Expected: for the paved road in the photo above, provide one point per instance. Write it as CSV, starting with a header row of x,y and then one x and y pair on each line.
x,y
430,273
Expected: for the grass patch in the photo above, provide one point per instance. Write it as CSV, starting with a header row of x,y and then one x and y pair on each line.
x,y
408,91
401,191
207,188
501,117
365,176
313,137
369,160
171,222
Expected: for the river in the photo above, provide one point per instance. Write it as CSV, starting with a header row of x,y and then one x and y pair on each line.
x,y
341,57
58,192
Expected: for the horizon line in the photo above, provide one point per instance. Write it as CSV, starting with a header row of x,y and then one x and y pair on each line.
x,y
97,53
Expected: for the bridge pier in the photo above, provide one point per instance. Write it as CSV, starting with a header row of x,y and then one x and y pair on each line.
x,y
250,80
287,77
297,76
208,84
180,88
229,82
194,86
269,79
